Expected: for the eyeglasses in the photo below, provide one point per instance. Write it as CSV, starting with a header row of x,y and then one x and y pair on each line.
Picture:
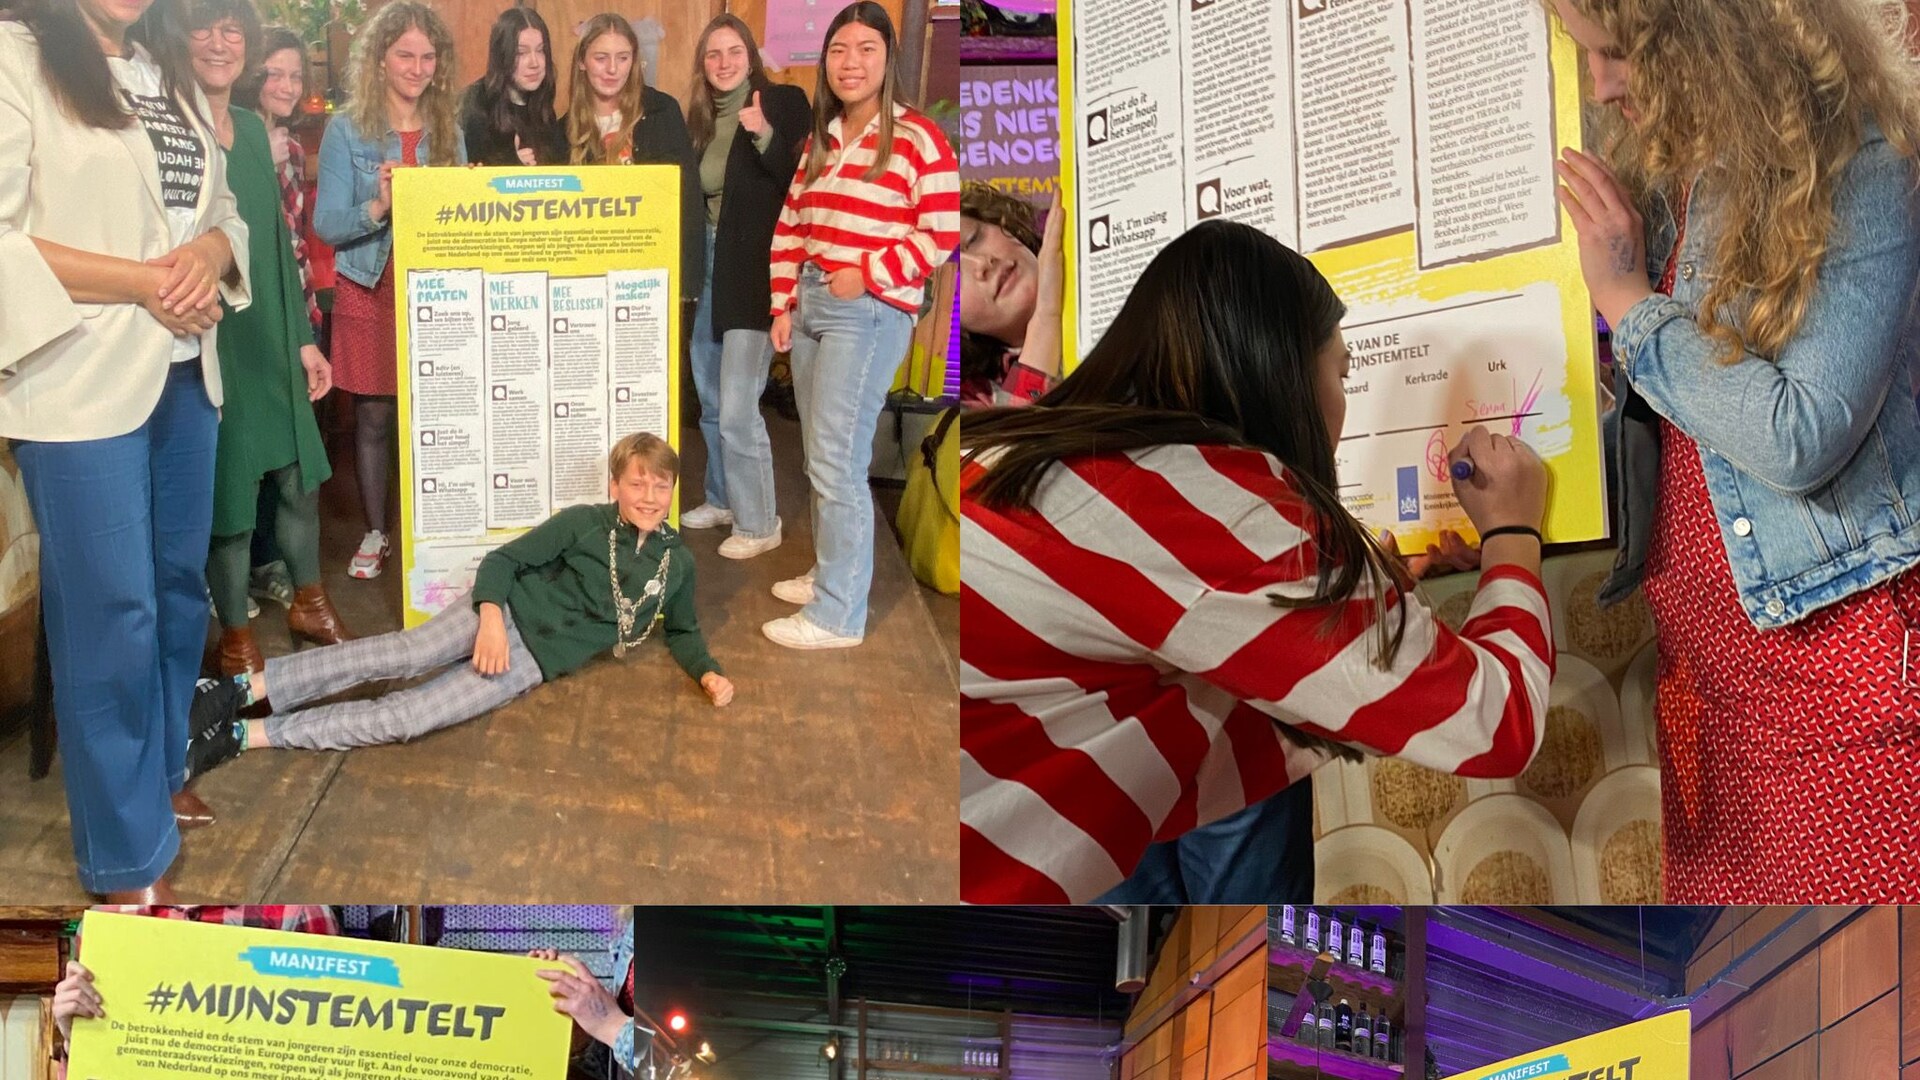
x,y
232,34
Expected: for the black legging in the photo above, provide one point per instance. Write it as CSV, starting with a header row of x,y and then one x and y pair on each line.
x,y
373,422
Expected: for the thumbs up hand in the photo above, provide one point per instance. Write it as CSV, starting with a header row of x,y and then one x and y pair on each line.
x,y
752,118
524,153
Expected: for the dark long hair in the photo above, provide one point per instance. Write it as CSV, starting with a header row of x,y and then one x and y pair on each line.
x,y
75,67
826,104
491,95
700,97
273,39
1217,343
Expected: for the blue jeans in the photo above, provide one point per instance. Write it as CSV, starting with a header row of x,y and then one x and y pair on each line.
x,y
1261,855
845,355
729,376
124,529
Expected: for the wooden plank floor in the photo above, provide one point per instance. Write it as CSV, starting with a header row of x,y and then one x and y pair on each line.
x,y
832,778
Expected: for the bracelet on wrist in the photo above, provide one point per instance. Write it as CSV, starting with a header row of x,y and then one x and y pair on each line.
x,y
1513,530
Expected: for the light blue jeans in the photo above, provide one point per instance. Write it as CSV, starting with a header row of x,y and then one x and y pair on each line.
x,y
845,355
729,376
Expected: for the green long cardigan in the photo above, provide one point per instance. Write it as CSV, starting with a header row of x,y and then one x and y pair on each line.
x,y
267,422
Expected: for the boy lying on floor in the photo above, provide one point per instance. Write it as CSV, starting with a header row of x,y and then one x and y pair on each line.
x,y
541,606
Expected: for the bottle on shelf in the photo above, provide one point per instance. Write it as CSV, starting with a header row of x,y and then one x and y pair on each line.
x,y
1343,1026
1313,930
1363,1033
1325,1033
1288,934
1357,946
1336,936
1382,1037
1309,1032
1377,962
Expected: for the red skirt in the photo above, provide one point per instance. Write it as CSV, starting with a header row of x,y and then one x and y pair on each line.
x,y
363,336
1789,758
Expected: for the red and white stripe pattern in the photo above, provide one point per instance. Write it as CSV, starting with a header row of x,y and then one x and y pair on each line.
x,y
1122,667
894,229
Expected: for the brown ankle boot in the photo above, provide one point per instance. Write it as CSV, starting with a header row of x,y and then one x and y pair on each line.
x,y
312,617
238,652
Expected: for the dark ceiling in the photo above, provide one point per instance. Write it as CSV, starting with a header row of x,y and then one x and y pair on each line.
x,y
1042,961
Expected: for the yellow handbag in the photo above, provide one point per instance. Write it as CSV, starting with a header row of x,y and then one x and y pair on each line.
x,y
929,518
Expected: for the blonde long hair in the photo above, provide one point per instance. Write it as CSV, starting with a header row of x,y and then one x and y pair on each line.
x,y
367,85
1766,101
583,131
826,103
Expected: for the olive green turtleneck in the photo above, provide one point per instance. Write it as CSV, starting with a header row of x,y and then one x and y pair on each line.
x,y
713,163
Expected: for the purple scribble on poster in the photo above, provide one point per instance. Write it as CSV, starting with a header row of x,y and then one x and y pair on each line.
x,y
795,29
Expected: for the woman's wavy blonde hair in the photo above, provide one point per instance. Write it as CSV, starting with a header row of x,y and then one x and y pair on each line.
x,y
1766,101
367,84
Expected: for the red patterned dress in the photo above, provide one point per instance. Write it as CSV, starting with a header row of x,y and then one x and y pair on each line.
x,y
364,360
1789,758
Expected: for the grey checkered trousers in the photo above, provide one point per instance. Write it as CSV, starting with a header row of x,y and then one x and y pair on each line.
x,y
457,693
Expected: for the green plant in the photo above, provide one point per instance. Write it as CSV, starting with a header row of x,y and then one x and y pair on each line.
x,y
311,18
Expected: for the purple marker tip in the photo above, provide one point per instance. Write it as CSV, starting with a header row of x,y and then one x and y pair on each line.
x,y
1462,469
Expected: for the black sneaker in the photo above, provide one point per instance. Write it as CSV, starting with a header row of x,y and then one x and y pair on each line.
x,y
214,747
215,701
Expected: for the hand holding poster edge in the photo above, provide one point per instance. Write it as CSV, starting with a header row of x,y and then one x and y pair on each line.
x,y
236,1002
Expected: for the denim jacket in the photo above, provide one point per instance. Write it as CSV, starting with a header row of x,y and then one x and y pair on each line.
x,y
1812,461
349,179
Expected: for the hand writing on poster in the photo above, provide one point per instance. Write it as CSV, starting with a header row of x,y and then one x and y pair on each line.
x,y
576,993
846,283
75,996
752,118
319,372
1613,253
782,332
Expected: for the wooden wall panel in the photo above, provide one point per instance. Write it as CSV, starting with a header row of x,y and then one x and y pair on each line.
x,y
1778,1014
1864,1046
1859,963
1910,983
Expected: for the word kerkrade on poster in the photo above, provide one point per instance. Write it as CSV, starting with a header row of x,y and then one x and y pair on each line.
x,y
538,324
1656,1049
1407,148
189,1001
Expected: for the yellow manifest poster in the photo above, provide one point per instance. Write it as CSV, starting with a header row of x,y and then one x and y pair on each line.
x,y
1656,1049
188,1001
538,324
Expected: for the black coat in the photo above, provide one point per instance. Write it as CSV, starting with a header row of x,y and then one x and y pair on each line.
x,y
660,138
485,146
756,189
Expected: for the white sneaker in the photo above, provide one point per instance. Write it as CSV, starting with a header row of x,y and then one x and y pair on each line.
x,y
795,590
372,556
706,516
796,631
741,547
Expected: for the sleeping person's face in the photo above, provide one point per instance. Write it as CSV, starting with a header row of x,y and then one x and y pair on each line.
x,y
999,281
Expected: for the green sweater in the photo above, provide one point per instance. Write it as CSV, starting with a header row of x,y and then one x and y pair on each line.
x,y
553,579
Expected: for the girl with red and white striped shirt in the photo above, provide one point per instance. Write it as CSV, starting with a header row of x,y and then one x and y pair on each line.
x,y
873,209
1166,613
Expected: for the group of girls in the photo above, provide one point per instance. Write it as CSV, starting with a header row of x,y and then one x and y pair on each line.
x,y
159,362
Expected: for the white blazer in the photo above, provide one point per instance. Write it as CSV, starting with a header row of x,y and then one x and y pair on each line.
x,y
71,371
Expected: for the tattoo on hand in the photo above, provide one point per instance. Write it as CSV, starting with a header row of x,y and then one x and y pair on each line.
x,y
1622,250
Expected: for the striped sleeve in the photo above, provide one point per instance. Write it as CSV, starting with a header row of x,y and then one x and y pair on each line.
x,y
1471,703
936,231
789,240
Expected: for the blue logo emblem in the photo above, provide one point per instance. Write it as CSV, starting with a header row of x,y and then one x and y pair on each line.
x,y
322,964
1408,481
